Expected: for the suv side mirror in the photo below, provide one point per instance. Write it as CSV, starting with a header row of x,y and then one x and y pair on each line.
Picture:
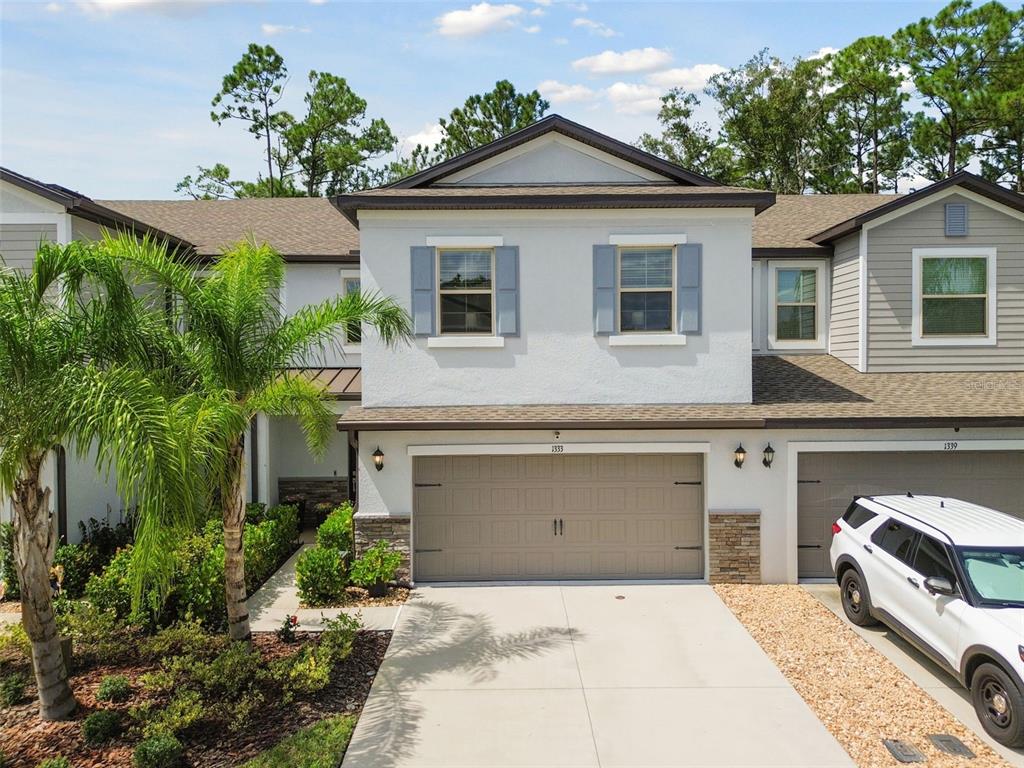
x,y
936,585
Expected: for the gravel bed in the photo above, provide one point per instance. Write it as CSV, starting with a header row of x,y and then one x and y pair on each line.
x,y
858,694
357,597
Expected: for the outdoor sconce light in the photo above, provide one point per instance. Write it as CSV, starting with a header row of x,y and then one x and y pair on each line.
x,y
740,456
769,456
378,459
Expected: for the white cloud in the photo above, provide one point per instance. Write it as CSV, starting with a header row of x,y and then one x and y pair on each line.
x,y
542,2
169,7
613,63
430,135
317,2
688,78
560,93
532,30
538,12
477,19
561,41
579,7
634,98
270,30
594,27
53,7
822,52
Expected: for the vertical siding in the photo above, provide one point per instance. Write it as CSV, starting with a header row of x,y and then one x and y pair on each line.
x,y
890,249
18,242
844,318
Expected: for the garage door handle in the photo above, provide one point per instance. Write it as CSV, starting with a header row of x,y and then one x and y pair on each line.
x,y
561,527
554,526
420,551
696,546
808,546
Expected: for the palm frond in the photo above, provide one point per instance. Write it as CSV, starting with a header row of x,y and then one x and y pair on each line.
x,y
290,395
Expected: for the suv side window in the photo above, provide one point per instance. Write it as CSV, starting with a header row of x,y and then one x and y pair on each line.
x,y
933,560
856,515
897,539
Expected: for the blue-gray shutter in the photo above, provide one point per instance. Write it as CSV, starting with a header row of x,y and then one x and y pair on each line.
x,y
605,286
956,219
506,290
688,288
424,289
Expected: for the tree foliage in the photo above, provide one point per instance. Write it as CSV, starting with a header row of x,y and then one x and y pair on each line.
x,y
488,116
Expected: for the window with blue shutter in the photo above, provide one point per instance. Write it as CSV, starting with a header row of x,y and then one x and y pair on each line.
x,y
956,219
424,289
506,290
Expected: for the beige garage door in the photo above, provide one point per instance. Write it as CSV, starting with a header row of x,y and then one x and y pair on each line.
x,y
497,518
829,481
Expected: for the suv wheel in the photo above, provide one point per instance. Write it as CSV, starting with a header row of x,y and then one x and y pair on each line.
x,y
856,603
999,705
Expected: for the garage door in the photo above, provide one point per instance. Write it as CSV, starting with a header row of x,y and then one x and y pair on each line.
x,y
497,518
828,482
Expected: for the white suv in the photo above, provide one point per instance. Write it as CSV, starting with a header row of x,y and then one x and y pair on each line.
x,y
948,576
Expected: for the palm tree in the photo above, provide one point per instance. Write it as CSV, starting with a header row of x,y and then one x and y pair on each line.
x,y
55,391
236,347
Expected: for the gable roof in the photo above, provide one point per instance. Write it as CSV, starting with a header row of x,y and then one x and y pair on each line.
x,y
84,207
566,127
965,179
787,227
299,228
552,196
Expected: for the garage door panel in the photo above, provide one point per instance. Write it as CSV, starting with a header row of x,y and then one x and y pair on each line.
x,y
621,517
829,481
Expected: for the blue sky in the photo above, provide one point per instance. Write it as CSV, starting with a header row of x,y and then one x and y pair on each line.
x,y
112,97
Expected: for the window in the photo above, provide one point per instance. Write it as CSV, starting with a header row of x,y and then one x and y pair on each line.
x,y
856,515
954,296
796,307
351,285
932,560
897,539
466,291
954,300
645,289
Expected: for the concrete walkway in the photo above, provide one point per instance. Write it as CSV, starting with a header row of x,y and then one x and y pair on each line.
x,y
581,675
936,682
278,598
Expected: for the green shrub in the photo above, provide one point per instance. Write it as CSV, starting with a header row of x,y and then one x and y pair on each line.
x,y
287,517
336,531
309,670
55,762
111,589
184,638
14,642
160,751
8,568
102,725
255,512
78,564
114,688
99,636
12,689
183,710
320,576
378,565
318,746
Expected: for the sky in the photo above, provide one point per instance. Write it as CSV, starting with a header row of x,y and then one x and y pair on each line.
x,y
112,97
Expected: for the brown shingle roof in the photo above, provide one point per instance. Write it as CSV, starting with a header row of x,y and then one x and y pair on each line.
x,y
797,390
300,228
795,218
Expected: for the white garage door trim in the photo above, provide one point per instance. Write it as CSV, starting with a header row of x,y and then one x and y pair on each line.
x,y
795,448
556,446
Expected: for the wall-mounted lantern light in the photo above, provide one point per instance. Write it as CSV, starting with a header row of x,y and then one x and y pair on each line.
x,y
740,456
378,459
769,456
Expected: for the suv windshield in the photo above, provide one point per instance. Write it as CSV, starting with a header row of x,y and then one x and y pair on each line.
x,y
995,573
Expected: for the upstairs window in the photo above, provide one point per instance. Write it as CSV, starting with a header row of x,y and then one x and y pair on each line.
x,y
797,290
954,297
349,285
466,291
646,296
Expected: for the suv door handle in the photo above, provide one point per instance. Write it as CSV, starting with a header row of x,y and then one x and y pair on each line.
x,y
868,548
914,582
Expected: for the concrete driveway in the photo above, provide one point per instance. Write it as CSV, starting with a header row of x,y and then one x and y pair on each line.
x,y
581,675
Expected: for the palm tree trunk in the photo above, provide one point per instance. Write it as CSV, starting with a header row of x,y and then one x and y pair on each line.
x,y
234,557
34,545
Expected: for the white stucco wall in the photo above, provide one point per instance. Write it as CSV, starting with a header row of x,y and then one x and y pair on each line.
x,y
311,284
289,456
557,358
89,494
773,491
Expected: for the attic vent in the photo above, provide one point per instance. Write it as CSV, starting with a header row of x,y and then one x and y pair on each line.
x,y
956,219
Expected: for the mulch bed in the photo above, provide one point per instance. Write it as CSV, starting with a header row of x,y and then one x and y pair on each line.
x,y
859,695
10,606
357,597
26,740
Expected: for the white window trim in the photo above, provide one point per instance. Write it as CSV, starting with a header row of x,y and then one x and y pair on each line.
x,y
821,305
619,290
656,239
465,341
756,309
990,339
658,339
465,241
349,274
492,334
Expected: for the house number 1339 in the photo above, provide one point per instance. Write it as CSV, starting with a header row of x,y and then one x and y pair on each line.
x,y
951,446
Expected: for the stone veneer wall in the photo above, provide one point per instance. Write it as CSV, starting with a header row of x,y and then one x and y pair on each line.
x,y
734,538
392,528
315,490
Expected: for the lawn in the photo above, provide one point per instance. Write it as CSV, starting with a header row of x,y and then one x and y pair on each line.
x,y
319,746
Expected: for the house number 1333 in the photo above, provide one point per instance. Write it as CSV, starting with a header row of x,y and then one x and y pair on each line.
x,y
558,449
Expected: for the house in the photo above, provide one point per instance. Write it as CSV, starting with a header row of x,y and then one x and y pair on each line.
x,y
624,370
322,259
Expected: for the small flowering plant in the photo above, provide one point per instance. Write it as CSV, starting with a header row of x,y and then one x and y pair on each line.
x,y
287,631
